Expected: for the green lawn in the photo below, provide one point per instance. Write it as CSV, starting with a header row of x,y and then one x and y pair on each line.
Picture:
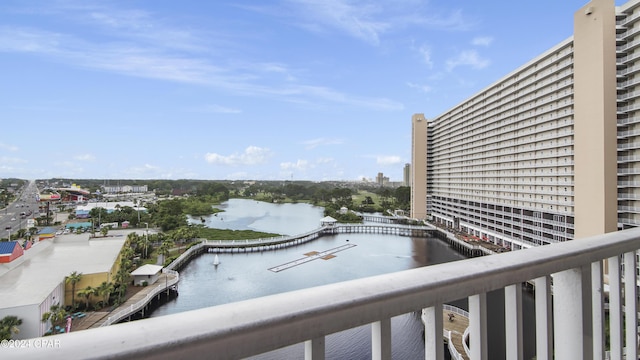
x,y
362,195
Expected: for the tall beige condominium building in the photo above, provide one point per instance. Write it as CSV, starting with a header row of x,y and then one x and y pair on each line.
x,y
548,153
419,128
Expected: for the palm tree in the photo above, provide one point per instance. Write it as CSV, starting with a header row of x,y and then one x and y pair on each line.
x,y
73,279
132,238
165,249
144,242
87,293
122,280
55,314
9,326
104,291
126,257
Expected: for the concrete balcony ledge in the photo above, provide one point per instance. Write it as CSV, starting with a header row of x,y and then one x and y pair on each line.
x,y
246,328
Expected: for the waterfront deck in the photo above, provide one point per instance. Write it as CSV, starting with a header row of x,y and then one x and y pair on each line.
x,y
455,325
326,255
455,329
137,303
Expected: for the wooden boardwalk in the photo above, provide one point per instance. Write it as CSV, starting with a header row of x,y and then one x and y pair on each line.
x,y
95,319
457,327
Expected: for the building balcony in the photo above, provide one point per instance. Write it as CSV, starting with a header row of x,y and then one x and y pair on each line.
x,y
569,318
627,19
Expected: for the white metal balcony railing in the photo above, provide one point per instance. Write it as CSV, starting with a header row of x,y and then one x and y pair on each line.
x,y
242,329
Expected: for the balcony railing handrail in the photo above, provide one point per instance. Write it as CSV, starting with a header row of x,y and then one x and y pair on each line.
x,y
246,328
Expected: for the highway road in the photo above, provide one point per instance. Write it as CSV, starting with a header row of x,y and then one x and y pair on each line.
x,y
10,219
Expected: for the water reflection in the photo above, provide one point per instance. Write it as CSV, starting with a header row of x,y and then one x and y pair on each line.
x,y
284,219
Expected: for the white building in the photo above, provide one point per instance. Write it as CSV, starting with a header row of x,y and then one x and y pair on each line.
x,y
147,273
31,284
548,153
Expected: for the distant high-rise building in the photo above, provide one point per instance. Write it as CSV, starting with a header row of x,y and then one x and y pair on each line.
x,y
382,180
548,153
406,175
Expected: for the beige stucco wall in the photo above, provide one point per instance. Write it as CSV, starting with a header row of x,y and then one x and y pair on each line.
x,y
595,157
93,280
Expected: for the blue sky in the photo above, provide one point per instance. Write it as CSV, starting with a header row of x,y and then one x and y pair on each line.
x,y
263,90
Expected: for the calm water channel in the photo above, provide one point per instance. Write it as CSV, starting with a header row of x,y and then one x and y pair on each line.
x,y
245,276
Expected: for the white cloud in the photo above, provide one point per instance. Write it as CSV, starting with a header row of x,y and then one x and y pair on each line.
x,y
298,165
423,88
11,160
455,21
425,52
388,160
158,62
8,147
313,143
482,41
356,19
468,58
143,169
252,155
85,157
218,109
68,166
369,20
324,160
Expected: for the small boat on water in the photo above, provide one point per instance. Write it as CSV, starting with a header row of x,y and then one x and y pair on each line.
x,y
216,261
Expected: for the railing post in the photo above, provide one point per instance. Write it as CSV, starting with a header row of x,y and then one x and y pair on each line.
x,y
631,305
478,326
615,308
571,317
597,310
513,321
314,349
544,329
433,348
381,340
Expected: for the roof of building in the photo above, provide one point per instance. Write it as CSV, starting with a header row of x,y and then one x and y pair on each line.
x,y
147,269
328,219
6,247
78,225
32,277
47,230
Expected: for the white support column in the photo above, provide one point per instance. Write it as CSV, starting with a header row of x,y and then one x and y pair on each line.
x,y
433,327
615,309
630,305
478,326
381,340
513,321
544,328
597,310
314,349
568,314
